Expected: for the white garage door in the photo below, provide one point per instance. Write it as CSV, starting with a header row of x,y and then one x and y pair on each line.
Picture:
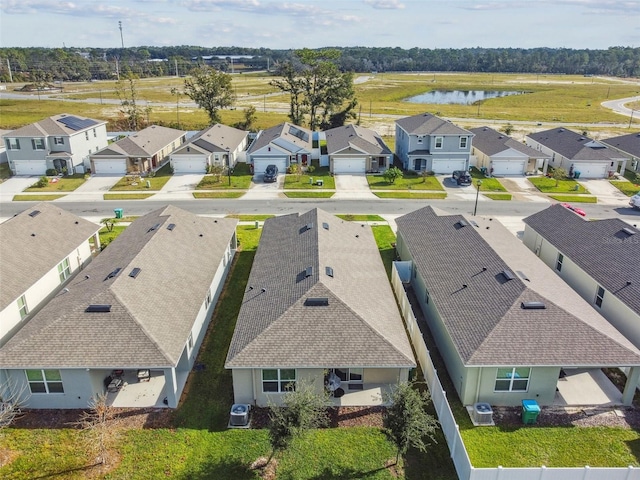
x,y
189,165
30,167
110,167
349,165
591,170
260,165
513,167
447,166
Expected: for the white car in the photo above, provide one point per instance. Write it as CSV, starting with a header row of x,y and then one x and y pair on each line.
x,y
635,201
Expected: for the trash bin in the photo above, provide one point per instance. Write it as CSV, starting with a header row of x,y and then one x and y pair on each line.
x,y
576,174
311,180
119,212
320,183
530,412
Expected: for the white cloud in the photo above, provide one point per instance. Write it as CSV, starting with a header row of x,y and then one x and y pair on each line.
x,y
385,4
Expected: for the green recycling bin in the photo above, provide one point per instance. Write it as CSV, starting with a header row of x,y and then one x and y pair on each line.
x,y
119,212
530,412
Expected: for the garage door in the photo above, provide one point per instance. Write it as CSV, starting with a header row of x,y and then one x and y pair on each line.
x,y
514,167
189,165
110,167
447,166
30,167
260,165
349,165
591,170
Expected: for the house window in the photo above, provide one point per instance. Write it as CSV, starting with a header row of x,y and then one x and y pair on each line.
x,y
64,270
278,380
22,307
382,162
94,133
58,140
44,381
512,379
559,262
349,374
599,296
463,142
419,139
37,143
13,144
86,135
438,142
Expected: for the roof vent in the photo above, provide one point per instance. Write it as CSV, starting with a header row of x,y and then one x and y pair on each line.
x,y
329,271
153,228
316,302
134,273
508,274
308,271
98,308
628,231
463,223
523,275
533,306
325,225
113,274
35,213
171,226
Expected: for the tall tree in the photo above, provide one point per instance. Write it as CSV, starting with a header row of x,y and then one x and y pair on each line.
x,y
292,84
211,90
130,109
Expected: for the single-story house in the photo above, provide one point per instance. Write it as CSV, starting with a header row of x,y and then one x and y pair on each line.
x,y
281,145
140,152
505,327
140,310
318,308
218,145
501,155
577,153
425,142
41,248
355,149
599,259
629,146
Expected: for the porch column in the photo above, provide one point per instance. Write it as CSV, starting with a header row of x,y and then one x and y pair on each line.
x,y
545,166
170,385
96,242
630,386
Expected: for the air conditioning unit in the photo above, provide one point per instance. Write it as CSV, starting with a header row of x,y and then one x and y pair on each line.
x,y
482,414
239,415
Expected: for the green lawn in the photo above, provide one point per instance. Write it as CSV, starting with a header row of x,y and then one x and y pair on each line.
x,y
239,179
127,196
575,198
417,195
293,181
628,188
548,185
60,184
5,171
386,241
106,236
133,182
489,184
221,194
361,218
318,194
498,196
36,198
408,182
250,218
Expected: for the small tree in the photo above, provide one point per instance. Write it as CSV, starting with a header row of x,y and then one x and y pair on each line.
x,y
12,399
96,423
109,223
508,129
391,174
217,171
406,420
130,109
558,174
249,120
42,182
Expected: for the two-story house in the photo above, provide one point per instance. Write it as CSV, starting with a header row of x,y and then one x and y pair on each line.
x,y
62,142
427,142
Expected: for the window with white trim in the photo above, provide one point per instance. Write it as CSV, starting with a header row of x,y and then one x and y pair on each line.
x,y
463,142
94,133
349,374
13,144
278,380
44,381
514,379
58,140
438,142
559,261
420,139
86,135
37,143
64,270
22,307
599,296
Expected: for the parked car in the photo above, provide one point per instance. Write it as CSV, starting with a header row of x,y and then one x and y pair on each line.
x,y
574,209
271,173
634,202
461,177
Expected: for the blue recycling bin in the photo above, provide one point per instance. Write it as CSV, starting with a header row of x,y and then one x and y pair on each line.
x,y
530,412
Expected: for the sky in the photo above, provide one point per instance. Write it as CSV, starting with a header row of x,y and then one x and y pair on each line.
x,y
285,24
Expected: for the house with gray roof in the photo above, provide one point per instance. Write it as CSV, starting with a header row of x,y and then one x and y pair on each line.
x,y
318,308
140,152
41,249
629,146
505,327
140,310
355,149
281,146
502,155
599,259
218,145
577,153
425,142
62,142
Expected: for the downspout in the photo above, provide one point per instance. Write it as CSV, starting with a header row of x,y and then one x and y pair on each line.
x,y
478,385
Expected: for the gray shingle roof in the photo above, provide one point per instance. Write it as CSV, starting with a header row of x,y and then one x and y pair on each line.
x,y
298,136
144,143
360,326
32,246
217,138
629,143
427,124
52,127
151,315
354,136
574,146
600,248
491,142
484,319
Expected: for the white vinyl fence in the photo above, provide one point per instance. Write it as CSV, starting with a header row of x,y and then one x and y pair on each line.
x,y
463,466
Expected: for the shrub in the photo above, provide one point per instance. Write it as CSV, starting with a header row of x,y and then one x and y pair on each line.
x,y
43,182
51,172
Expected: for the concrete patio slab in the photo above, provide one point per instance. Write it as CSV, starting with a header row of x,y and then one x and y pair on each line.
x,y
586,387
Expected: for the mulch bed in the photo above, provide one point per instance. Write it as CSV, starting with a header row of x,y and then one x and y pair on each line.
x,y
126,418
623,417
338,417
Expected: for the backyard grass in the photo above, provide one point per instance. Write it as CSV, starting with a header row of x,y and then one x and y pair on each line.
x,y
386,241
498,196
127,196
407,182
223,194
294,181
37,198
628,188
412,195
575,198
361,218
548,185
136,182
239,179
60,184
317,194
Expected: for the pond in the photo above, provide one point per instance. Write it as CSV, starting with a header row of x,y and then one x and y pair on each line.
x,y
459,97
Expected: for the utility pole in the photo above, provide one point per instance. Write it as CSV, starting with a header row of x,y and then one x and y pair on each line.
x,y
117,69
9,67
175,60
121,38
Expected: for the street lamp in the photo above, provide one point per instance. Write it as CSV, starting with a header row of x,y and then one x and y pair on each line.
x,y
228,167
475,209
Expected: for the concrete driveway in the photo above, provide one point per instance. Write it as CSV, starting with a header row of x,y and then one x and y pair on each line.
x,y
352,186
606,193
263,191
15,185
179,187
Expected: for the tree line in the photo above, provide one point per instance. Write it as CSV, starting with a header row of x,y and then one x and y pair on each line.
x,y
83,64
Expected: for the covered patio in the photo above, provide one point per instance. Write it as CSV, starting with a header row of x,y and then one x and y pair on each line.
x,y
578,387
136,393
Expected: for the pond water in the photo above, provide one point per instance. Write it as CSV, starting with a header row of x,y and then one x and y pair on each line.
x,y
459,97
